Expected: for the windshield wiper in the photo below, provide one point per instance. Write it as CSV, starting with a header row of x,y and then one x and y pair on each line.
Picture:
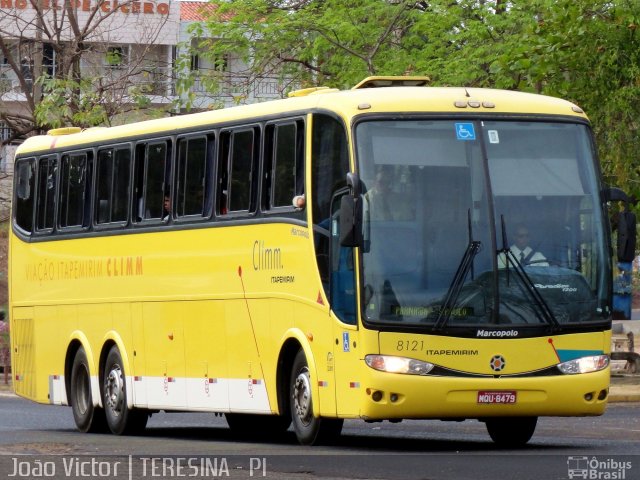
x,y
456,284
510,258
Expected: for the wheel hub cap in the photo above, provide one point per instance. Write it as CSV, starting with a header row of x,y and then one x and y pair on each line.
x,y
302,397
114,390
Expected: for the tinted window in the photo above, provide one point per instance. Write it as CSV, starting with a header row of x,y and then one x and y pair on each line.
x,y
330,164
154,184
113,185
191,176
151,180
73,188
25,191
288,165
242,160
222,177
47,180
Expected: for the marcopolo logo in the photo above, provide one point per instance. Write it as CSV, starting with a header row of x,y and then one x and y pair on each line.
x,y
597,468
496,333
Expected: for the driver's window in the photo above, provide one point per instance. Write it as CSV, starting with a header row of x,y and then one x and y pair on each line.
x,y
342,281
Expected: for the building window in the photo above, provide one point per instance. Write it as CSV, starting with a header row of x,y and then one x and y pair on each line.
x,y
195,62
48,60
5,130
221,64
117,57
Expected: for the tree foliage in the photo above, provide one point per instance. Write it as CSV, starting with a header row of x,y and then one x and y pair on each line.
x,y
586,51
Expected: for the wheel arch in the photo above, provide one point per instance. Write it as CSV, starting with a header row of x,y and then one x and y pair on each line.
x,y
293,341
77,340
110,340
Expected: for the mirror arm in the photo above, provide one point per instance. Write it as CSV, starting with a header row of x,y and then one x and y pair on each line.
x,y
354,184
614,194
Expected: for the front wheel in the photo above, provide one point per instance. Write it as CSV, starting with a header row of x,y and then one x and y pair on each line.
x,y
309,429
120,419
88,417
511,431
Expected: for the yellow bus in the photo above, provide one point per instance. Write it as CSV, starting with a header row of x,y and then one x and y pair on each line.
x,y
333,255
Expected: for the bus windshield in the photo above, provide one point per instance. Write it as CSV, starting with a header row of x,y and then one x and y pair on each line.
x,y
480,223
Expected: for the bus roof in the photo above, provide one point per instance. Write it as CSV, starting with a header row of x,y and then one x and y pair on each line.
x,y
348,104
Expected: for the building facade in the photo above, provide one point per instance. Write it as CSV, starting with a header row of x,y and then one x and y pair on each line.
x,y
127,48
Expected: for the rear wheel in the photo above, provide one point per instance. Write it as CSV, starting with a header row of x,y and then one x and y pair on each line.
x,y
120,419
309,429
511,431
88,417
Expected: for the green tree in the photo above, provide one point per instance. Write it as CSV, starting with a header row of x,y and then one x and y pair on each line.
x,y
589,53
586,52
329,42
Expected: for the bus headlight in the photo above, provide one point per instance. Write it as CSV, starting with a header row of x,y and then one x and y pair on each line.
x,y
584,365
386,363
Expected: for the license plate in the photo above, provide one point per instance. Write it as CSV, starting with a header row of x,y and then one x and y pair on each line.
x,y
497,397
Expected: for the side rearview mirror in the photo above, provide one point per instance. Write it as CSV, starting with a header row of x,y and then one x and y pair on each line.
x,y
350,221
613,194
626,245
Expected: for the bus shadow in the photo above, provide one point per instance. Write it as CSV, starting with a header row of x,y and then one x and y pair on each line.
x,y
349,442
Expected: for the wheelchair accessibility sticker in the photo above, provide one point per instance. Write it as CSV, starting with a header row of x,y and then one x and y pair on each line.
x,y
465,131
345,341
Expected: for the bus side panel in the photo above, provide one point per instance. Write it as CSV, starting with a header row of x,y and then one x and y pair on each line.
x,y
164,347
38,353
23,352
245,322
206,355
138,356
316,322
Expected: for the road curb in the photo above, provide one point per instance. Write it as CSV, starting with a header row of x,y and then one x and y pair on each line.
x,y
624,397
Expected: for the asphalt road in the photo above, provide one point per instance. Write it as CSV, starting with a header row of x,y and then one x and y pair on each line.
x,y
38,440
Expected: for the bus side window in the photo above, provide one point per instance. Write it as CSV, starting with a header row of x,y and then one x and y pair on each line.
x,y
76,174
24,193
191,176
242,169
112,185
46,196
222,176
151,172
284,171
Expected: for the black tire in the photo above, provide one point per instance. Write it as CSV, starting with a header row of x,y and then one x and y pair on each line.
x,y
511,431
120,419
266,427
88,417
309,429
